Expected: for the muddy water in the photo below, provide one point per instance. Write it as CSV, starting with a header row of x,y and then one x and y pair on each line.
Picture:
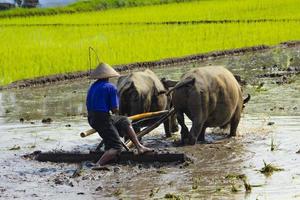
x,y
273,114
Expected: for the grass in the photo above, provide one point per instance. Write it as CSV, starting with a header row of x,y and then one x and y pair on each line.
x,y
243,178
273,145
14,148
65,49
268,169
61,44
173,196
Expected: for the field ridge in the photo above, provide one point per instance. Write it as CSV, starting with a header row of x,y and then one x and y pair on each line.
x,y
156,23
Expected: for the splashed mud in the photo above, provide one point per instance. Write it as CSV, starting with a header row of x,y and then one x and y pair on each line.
x,y
270,119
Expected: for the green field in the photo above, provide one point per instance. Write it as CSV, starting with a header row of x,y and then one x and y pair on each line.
x,y
43,45
83,6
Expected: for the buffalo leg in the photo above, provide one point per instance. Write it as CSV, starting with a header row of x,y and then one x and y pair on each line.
x,y
201,137
184,130
174,124
167,127
196,131
235,122
170,126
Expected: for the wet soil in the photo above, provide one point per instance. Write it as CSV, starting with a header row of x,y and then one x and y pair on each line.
x,y
268,132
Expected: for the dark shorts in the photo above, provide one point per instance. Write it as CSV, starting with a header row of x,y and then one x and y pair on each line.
x,y
109,127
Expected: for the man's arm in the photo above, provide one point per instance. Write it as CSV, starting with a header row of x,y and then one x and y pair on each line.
x,y
114,100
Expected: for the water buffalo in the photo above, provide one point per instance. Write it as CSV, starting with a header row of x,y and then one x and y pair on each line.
x,y
142,92
210,97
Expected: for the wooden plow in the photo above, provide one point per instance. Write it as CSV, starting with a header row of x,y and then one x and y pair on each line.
x,y
140,120
124,157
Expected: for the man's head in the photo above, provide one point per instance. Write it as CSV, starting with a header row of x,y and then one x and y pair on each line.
x,y
103,71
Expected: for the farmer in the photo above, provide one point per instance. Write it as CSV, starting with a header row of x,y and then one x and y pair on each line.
x,y
101,99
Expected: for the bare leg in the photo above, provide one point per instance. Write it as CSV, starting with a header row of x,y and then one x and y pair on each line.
x,y
141,148
108,156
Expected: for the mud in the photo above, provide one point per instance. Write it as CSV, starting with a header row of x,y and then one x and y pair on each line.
x,y
170,62
221,168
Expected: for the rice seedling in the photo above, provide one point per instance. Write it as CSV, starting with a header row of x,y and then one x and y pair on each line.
x,y
185,11
173,196
273,146
243,178
247,185
154,191
14,148
268,169
83,6
44,45
196,183
234,189
42,51
118,192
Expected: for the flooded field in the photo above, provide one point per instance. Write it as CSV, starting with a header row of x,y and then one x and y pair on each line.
x,y
220,169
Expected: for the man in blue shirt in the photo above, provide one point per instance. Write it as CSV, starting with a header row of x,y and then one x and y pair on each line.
x,y
102,98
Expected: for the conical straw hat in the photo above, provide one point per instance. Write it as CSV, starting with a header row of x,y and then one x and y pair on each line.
x,y
103,71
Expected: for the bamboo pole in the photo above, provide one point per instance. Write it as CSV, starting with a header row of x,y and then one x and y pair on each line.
x,y
133,118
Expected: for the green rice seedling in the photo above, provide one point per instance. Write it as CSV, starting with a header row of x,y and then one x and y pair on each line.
x,y
83,6
14,148
273,146
118,192
236,176
42,51
44,45
268,169
173,196
234,189
185,11
154,191
247,186
196,183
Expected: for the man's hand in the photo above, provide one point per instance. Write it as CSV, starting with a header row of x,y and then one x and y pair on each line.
x,y
115,111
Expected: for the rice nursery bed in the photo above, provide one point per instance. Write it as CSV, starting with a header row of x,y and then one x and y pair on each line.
x,y
194,10
44,45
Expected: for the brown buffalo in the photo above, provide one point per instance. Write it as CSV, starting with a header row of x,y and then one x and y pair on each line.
x,y
142,92
210,97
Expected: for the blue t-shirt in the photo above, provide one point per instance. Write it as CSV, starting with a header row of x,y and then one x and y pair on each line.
x,y
102,97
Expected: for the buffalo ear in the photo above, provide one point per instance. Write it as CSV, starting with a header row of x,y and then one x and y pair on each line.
x,y
123,84
120,79
168,83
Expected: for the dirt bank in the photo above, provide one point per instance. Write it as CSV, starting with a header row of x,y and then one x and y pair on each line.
x,y
169,62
